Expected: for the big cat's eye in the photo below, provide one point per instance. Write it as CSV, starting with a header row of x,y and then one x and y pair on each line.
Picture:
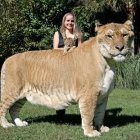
x,y
124,35
109,36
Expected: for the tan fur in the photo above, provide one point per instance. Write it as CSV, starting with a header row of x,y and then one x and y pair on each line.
x,y
56,80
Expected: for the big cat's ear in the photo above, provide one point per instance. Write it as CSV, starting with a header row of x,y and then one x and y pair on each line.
x,y
97,25
129,24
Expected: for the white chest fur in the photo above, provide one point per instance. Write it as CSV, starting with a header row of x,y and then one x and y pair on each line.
x,y
107,81
107,85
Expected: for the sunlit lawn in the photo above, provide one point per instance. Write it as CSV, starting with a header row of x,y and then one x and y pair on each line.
x,y
122,116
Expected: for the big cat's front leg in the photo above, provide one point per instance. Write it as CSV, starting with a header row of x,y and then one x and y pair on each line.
x,y
87,107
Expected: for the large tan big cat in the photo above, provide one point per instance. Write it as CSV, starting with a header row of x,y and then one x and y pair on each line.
x,y
55,80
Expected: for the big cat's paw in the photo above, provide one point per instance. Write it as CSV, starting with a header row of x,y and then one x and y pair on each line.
x,y
94,133
104,129
5,124
19,122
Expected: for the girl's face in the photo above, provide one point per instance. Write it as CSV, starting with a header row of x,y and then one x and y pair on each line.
x,y
69,22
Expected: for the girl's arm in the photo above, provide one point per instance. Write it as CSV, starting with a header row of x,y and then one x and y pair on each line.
x,y
56,41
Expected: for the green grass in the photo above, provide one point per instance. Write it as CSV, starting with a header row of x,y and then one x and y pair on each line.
x,y
122,116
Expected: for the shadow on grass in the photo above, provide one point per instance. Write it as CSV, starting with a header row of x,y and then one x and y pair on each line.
x,y
112,119
72,119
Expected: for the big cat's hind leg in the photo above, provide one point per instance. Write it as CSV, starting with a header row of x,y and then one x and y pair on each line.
x,y
12,84
10,102
4,107
15,110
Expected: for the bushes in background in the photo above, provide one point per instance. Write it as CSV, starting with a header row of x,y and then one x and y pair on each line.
x,y
29,24
128,73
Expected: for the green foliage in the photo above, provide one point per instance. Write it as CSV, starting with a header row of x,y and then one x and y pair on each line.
x,y
91,11
42,21
29,24
11,27
85,20
128,73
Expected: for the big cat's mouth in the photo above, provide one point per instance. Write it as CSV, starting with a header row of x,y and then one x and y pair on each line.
x,y
119,57
119,54
115,54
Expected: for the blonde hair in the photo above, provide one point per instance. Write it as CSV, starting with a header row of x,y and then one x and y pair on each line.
x,y
76,30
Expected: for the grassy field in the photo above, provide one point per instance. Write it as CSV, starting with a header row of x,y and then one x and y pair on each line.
x,y
122,116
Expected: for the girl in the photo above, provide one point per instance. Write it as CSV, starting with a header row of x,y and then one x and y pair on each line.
x,y
68,29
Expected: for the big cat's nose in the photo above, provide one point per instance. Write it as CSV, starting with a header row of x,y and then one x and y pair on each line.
x,y
119,47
